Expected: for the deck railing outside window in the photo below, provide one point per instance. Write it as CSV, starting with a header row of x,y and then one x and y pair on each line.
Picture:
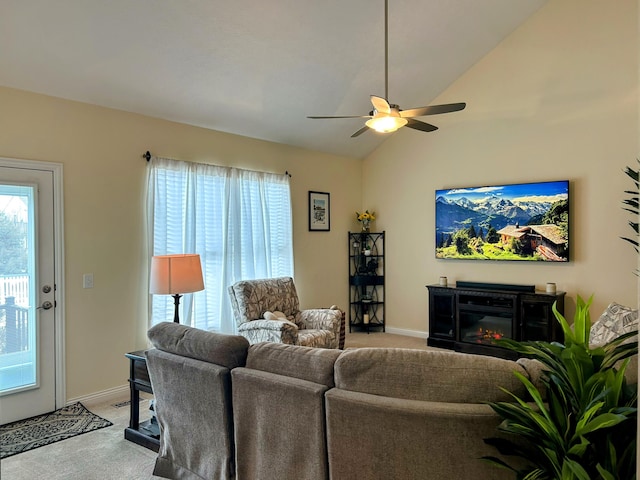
x,y
14,312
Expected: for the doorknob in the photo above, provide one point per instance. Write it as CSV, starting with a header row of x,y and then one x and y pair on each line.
x,y
46,305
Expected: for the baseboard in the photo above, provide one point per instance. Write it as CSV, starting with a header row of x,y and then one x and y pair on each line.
x,y
114,395
406,332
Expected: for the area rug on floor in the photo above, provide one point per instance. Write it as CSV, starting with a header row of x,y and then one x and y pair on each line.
x,y
67,422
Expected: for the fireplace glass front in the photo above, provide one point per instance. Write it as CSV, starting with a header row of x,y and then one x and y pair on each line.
x,y
483,327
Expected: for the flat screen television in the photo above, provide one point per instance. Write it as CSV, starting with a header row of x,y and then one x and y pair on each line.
x,y
524,222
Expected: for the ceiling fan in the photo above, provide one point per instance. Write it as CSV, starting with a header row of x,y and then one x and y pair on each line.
x,y
388,117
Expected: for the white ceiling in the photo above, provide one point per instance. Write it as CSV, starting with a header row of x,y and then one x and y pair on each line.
x,y
252,67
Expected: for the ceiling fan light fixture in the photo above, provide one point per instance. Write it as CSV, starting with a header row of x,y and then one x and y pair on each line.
x,y
386,123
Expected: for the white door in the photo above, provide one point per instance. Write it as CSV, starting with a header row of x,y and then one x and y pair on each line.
x,y
30,323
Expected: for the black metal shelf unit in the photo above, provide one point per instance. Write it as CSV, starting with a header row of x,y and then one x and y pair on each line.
x,y
366,281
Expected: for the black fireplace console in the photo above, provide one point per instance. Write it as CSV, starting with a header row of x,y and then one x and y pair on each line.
x,y
470,316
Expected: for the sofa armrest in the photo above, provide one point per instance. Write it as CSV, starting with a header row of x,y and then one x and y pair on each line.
x,y
322,319
279,331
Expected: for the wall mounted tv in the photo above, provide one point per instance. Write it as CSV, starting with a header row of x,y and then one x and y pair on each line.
x,y
526,222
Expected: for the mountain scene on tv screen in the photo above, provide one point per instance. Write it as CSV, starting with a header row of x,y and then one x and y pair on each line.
x,y
510,222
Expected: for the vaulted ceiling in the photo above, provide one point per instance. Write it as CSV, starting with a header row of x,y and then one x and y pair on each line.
x,y
255,68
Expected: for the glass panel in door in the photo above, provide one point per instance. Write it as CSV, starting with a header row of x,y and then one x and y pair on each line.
x,y
18,349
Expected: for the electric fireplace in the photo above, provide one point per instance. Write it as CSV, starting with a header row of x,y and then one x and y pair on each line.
x,y
484,317
471,316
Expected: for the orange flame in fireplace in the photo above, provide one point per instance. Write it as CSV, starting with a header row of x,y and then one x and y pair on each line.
x,y
486,335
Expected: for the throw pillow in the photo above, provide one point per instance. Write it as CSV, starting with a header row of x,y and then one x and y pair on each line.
x,y
614,321
274,315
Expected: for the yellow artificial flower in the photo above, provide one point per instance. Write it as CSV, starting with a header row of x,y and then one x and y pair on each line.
x,y
365,216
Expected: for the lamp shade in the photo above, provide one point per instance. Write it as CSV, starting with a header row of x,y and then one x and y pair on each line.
x,y
175,274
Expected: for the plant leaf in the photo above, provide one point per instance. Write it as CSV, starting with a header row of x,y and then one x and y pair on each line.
x,y
604,473
634,174
605,420
575,468
566,330
498,462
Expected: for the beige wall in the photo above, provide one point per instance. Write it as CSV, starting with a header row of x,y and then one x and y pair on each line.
x,y
558,99
104,195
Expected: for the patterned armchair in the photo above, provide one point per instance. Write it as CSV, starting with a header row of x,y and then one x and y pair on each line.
x,y
250,299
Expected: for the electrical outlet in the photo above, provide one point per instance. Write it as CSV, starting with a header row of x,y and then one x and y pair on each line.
x,y
87,280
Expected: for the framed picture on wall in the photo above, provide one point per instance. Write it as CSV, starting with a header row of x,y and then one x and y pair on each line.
x,y
319,212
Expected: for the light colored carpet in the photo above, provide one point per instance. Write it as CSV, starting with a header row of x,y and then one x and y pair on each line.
x,y
100,455
105,454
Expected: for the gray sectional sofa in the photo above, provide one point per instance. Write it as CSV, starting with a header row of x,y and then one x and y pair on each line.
x,y
274,411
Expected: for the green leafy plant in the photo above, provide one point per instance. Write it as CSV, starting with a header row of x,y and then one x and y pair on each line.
x,y
631,204
584,427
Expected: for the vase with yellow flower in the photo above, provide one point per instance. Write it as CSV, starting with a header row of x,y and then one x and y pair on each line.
x,y
365,218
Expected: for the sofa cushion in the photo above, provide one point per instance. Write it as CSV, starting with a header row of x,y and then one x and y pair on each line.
x,y
436,376
614,321
279,426
229,351
306,363
381,438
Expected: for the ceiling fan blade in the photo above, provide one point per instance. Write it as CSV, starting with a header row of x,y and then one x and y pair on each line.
x,y
360,132
346,116
422,126
380,104
432,110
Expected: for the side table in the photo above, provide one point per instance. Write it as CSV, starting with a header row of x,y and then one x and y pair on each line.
x,y
145,433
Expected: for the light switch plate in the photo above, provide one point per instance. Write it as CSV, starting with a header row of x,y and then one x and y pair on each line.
x,y
87,280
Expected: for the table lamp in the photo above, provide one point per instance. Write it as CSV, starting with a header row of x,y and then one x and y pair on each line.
x,y
175,275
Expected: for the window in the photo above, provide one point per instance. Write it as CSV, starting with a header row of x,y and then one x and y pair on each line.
x,y
239,221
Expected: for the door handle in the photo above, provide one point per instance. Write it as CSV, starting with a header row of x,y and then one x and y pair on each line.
x,y
46,305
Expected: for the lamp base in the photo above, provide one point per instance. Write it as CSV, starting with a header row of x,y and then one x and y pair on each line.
x,y
176,302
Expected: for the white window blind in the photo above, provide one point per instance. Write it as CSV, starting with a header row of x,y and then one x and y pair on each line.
x,y
238,221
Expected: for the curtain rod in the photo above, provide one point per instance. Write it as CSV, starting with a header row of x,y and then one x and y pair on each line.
x,y
147,156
